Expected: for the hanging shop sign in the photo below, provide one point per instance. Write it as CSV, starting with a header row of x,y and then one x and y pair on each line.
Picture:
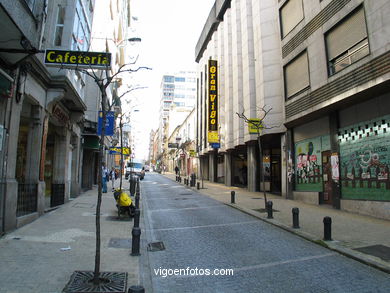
x,y
82,59
213,136
115,150
215,145
254,125
60,114
109,130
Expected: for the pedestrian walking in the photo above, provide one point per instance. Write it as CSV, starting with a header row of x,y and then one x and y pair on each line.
x,y
113,177
177,170
104,178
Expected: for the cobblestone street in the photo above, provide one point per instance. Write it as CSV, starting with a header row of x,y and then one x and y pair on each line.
x,y
201,233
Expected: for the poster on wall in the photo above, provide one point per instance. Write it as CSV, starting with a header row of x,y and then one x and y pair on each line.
x,y
365,160
308,163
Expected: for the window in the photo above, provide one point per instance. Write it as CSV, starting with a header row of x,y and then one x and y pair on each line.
x,y
180,79
169,79
290,15
296,75
59,26
81,30
347,42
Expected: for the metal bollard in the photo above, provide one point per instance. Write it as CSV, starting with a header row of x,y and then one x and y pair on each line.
x,y
198,185
295,215
233,197
136,289
136,233
137,200
327,228
269,209
180,179
187,181
136,218
137,189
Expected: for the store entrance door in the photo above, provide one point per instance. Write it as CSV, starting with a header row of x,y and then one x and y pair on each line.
x,y
276,181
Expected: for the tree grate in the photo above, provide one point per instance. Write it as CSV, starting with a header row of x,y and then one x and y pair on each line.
x,y
110,282
156,246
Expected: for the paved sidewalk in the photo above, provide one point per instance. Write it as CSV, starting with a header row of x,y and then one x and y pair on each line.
x,y
349,230
41,256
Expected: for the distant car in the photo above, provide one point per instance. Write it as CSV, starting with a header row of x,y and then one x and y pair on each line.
x,y
147,168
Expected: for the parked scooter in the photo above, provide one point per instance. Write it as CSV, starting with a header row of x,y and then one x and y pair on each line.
x,y
124,203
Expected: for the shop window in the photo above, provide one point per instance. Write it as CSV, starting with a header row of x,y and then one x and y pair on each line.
x,y
290,15
347,42
296,75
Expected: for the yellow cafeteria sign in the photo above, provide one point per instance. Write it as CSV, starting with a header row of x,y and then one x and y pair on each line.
x,y
254,125
61,58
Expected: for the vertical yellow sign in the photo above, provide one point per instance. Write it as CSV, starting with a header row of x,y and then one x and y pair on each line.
x,y
213,102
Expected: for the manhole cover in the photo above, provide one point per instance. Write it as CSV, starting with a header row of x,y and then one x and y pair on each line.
x,y
380,251
111,282
119,243
156,246
264,210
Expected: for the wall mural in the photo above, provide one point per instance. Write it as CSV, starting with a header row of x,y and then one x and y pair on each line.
x,y
308,163
365,160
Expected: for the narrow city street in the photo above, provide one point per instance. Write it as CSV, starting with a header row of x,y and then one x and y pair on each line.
x,y
202,237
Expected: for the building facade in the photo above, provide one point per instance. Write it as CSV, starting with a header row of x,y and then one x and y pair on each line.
x,y
41,146
178,97
241,39
319,70
336,74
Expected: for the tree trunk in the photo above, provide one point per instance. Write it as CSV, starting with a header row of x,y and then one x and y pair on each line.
x,y
121,169
96,273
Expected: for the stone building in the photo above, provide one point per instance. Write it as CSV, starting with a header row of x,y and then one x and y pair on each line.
x,y
323,68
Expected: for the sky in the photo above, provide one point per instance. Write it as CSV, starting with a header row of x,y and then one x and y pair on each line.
x,y
169,30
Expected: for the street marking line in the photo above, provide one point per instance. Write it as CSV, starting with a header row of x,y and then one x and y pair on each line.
x,y
205,226
192,208
278,263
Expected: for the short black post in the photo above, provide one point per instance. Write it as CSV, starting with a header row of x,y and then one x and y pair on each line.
x,y
187,181
295,215
327,228
136,289
232,196
132,185
137,201
137,189
269,209
198,185
180,179
177,178
136,233
136,218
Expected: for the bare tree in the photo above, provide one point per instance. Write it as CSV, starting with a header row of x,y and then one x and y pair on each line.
x,y
103,81
258,124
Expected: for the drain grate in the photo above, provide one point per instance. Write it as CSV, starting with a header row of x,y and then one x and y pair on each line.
x,y
111,282
156,246
380,251
257,198
119,243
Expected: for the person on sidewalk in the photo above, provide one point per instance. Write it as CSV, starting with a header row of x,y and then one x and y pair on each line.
x,y
104,178
177,170
113,177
